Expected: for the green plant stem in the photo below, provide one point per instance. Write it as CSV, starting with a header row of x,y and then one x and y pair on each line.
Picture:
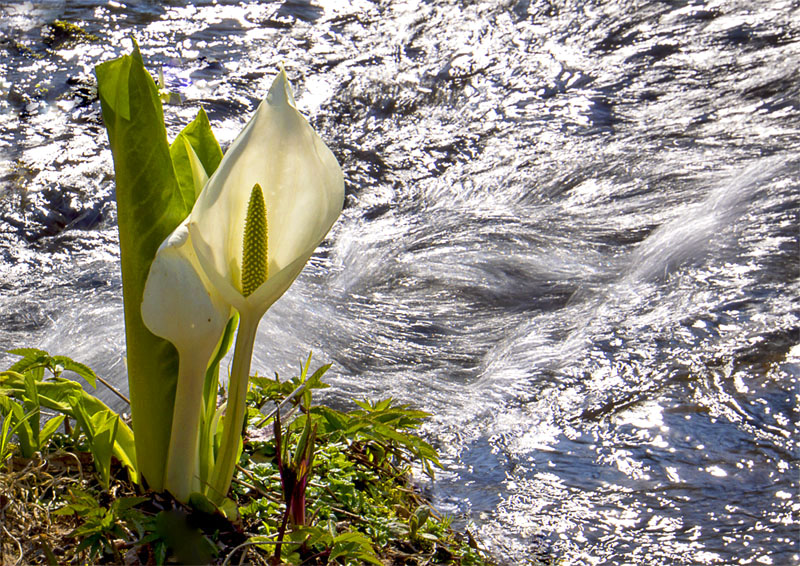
x,y
181,477
208,422
236,408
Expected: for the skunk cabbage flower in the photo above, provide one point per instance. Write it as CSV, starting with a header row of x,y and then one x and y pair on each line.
x,y
273,198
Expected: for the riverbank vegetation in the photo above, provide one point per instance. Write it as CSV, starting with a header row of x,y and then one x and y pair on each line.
x,y
314,485
255,473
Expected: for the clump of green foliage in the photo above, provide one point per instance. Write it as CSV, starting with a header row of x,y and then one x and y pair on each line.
x,y
61,33
314,485
33,386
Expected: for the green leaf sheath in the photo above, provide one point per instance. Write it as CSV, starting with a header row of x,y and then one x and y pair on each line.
x,y
207,430
254,246
149,207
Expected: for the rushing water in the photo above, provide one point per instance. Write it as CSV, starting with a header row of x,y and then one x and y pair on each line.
x,y
571,232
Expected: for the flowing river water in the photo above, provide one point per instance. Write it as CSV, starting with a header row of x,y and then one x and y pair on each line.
x,y
571,233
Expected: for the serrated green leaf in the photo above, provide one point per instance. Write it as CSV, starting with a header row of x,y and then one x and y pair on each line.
x,y
27,352
363,404
82,370
333,420
315,381
353,545
30,357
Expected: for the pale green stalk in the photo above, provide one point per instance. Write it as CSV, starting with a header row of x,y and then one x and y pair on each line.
x,y
182,474
233,421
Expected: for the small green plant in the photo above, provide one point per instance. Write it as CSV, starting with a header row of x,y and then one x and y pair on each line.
x,y
33,385
354,486
294,469
101,526
381,435
26,424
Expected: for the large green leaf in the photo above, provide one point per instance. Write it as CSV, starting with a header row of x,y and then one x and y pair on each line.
x,y
149,206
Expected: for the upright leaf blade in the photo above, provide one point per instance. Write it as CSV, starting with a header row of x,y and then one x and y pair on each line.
x,y
49,429
103,444
198,139
203,141
208,427
149,207
32,406
22,426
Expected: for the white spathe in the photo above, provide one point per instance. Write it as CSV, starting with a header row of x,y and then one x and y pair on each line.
x,y
180,305
303,190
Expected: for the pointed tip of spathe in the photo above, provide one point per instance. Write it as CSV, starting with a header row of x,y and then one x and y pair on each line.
x,y
281,91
